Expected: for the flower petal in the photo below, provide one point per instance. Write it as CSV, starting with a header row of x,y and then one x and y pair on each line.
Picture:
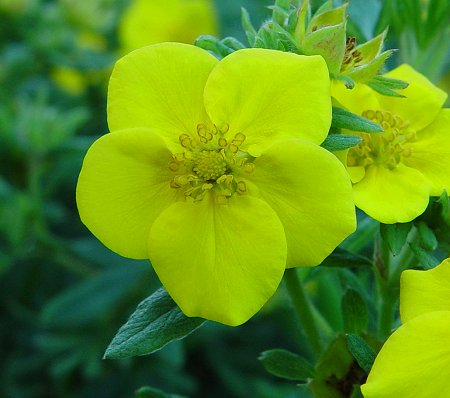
x,y
415,360
431,153
219,262
310,191
391,196
423,99
122,188
425,291
268,94
357,100
161,87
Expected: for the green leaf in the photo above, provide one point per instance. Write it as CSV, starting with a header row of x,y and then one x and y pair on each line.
x,y
211,43
286,364
347,120
425,259
427,237
336,361
233,43
356,392
354,312
389,82
156,322
395,235
343,258
445,204
247,25
361,351
150,392
339,142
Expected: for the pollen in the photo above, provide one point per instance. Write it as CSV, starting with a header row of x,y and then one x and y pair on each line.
x,y
211,161
388,148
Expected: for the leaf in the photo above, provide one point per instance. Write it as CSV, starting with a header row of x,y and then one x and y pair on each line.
x,y
233,43
445,204
247,25
156,322
395,235
211,43
347,120
150,392
425,259
336,361
427,237
361,351
389,82
339,142
354,312
286,364
343,258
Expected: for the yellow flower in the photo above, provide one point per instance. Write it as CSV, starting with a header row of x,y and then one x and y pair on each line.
x,y
396,171
415,360
213,171
148,22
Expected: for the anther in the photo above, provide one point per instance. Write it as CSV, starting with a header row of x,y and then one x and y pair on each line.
x,y
241,187
222,142
225,128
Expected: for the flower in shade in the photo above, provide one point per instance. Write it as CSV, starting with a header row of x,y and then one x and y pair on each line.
x,y
415,360
147,22
213,171
395,172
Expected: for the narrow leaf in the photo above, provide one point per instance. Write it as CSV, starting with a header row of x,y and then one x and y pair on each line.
x,y
233,43
150,392
211,43
247,25
389,82
156,322
425,259
354,312
347,120
395,235
286,364
361,351
339,142
427,237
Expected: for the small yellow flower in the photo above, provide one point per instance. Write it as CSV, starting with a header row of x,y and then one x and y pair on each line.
x,y
213,171
148,22
415,360
395,172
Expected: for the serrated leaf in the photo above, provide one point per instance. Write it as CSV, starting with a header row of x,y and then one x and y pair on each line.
x,y
344,259
247,25
339,142
354,312
365,72
425,259
395,235
156,322
361,351
427,237
287,365
344,119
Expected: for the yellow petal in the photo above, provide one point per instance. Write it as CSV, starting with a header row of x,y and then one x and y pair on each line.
x,y
219,261
160,87
391,196
268,95
431,153
423,99
357,100
148,22
425,291
122,188
310,191
414,362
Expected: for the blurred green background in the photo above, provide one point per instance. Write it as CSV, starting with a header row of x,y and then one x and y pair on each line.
x,y
63,295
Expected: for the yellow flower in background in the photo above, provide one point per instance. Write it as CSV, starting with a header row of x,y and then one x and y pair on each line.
x,y
415,360
395,172
148,22
213,171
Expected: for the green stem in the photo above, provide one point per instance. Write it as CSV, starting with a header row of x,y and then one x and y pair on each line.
x,y
303,309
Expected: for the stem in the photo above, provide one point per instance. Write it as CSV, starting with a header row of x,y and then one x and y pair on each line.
x,y
303,308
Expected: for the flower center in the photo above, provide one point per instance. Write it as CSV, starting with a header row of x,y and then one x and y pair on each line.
x,y
388,148
210,162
